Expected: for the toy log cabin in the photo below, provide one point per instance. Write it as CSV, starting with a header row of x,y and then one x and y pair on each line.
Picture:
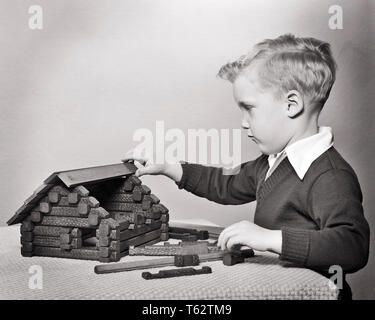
x,y
92,213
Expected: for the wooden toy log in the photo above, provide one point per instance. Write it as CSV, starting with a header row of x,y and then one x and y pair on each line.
x,y
123,185
141,239
128,185
65,222
165,218
170,250
91,201
27,225
76,243
64,212
73,198
128,234
171,273
82,191
139,192
54,197
183,236
25,252
84,254
152,263
46,241
76,233
83,209
149,221
56,231
142,189
102,213
104,241
122,206
66,238
164,236
201,234
27,236
120,197
162,208
136,181
132,217
60,190
162,262
93,218
64,202
114,256
154,213
212,230
27,246
146,204
151,197
149,243
105,252
36,216
237,256
106,226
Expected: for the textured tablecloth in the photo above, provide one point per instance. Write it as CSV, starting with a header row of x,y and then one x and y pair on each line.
x,y
260,277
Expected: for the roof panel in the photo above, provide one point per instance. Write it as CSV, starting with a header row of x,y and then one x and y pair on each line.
x,y
95,174
73,178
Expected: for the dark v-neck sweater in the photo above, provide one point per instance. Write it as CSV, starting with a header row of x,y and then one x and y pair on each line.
x,y
321,216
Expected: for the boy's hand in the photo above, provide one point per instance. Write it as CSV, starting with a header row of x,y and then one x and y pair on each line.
x,y
173,171
146,167
251,235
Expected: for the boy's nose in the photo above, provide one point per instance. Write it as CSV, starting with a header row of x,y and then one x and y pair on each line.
x,y
245,124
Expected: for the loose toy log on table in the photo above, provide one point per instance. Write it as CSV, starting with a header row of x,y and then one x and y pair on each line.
x,y
171,273
171,261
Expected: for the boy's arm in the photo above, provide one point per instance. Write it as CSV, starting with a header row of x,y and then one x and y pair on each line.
x,y
212,184
335,203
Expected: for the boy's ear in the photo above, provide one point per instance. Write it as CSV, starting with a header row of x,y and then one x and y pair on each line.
x,y
295,104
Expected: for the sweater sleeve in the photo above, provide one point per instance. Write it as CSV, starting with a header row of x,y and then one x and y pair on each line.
x,y
224,187
335,204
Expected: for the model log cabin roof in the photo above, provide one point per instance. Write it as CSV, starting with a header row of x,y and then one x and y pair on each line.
x,y
91,213
73,178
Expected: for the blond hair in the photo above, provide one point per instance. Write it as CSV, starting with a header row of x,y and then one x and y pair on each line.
x,y
290,63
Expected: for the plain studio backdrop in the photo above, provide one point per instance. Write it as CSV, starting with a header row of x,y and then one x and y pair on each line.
x,y
73,94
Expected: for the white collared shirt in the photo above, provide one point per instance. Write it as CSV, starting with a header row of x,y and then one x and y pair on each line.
x,y
302,153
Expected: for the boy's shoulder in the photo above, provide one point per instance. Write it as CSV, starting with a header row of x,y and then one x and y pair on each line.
x,y
331,160
330,169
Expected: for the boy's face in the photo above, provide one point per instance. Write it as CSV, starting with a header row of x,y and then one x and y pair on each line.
x,y
263,115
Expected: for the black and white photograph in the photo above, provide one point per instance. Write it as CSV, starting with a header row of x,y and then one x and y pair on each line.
x,y
187,154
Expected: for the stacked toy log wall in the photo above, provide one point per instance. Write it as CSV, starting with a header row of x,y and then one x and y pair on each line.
x,y
141,217
125,214
60,223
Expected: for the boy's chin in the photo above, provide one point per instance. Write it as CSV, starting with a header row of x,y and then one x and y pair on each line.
x,y
263,149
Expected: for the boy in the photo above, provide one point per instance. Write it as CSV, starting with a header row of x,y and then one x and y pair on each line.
x,y
309,201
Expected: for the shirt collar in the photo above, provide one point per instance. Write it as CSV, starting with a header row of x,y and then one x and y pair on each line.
x,y
302,153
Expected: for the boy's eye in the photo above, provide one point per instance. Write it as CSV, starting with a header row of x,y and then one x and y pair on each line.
x,y
248,107
245,106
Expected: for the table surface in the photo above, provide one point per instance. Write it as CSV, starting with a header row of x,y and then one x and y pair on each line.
x,y
261,277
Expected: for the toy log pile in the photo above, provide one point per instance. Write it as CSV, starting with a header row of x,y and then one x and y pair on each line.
x,y
183,254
